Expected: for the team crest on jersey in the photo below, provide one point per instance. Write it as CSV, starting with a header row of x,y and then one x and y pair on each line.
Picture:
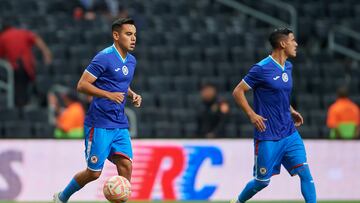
x,y
285,77
125,70
263,171
94,159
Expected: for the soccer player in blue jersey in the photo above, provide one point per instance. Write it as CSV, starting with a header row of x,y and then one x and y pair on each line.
x,y
107,79
276,140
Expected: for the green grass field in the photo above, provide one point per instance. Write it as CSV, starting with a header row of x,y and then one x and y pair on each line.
x,y
357,201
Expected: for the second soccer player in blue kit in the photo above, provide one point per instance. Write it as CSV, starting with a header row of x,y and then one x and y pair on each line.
x,y
276,139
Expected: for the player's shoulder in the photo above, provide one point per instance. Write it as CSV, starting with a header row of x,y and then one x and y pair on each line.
x,y
106,51
102,55
264,62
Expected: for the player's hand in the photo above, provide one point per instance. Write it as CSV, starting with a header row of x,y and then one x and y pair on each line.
x,y
136,100
258,122
117,97
298,119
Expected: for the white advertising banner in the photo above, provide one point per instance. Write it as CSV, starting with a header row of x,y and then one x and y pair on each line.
x,y
32,170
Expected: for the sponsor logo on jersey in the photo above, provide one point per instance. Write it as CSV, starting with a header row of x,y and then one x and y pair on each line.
x,y
277,77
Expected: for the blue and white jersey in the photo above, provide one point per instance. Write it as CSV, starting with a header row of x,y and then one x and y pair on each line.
x,y
272,85
113,74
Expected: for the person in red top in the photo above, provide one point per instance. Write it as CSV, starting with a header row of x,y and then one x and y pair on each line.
x,y
343,117
16,47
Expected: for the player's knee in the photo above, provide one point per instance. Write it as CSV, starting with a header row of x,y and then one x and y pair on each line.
x,y
304,173
259,185
93,175
124,165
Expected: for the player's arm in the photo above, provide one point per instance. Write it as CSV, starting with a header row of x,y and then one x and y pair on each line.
x,y
85,85
298,119
136,98
239,96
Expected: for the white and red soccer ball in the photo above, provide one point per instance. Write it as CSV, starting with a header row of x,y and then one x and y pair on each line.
x,y
117,189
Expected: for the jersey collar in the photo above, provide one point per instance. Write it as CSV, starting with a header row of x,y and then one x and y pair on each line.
x,y
277,64
119,55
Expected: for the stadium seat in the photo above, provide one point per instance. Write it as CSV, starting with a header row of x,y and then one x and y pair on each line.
x,y
43,83
231,130
190,130
17,129
186,84
318,117
167,129
36,115
151,115
309,131
183,115
189,52
246,131
199,68
172,68
43,130
160,84
171,100
193,100
308,101
12,114
218,81
146,130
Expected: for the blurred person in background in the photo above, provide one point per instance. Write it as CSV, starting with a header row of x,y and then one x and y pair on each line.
x,y
276,139
70,117
343,117
16,47
88,9
214,113
107,78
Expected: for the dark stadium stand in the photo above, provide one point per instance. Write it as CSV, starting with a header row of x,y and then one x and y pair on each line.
x,y
181,45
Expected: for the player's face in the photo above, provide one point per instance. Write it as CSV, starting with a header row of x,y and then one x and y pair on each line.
x,y
126,37
291,45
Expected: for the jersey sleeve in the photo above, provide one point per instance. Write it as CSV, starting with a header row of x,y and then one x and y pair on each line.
x,y
97,66
254,77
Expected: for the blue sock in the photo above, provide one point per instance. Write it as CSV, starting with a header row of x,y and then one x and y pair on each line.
x,y
307,184
70,189
251,189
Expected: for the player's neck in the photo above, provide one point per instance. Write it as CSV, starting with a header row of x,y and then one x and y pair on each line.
x,y
121,51
279,57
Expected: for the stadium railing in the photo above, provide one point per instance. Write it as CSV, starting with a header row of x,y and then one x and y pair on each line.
x,y
8,85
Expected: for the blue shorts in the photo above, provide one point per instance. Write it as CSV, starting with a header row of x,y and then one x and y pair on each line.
x,y
270,155
102,143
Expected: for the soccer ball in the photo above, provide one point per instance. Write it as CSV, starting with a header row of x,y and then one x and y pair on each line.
x,y
117,189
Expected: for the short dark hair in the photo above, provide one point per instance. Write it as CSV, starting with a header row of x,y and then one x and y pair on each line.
x,y
277,35
342,92
116,25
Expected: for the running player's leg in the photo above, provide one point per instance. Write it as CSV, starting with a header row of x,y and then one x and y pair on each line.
x,y
268,155
295,162
97,148
123,165
121,152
